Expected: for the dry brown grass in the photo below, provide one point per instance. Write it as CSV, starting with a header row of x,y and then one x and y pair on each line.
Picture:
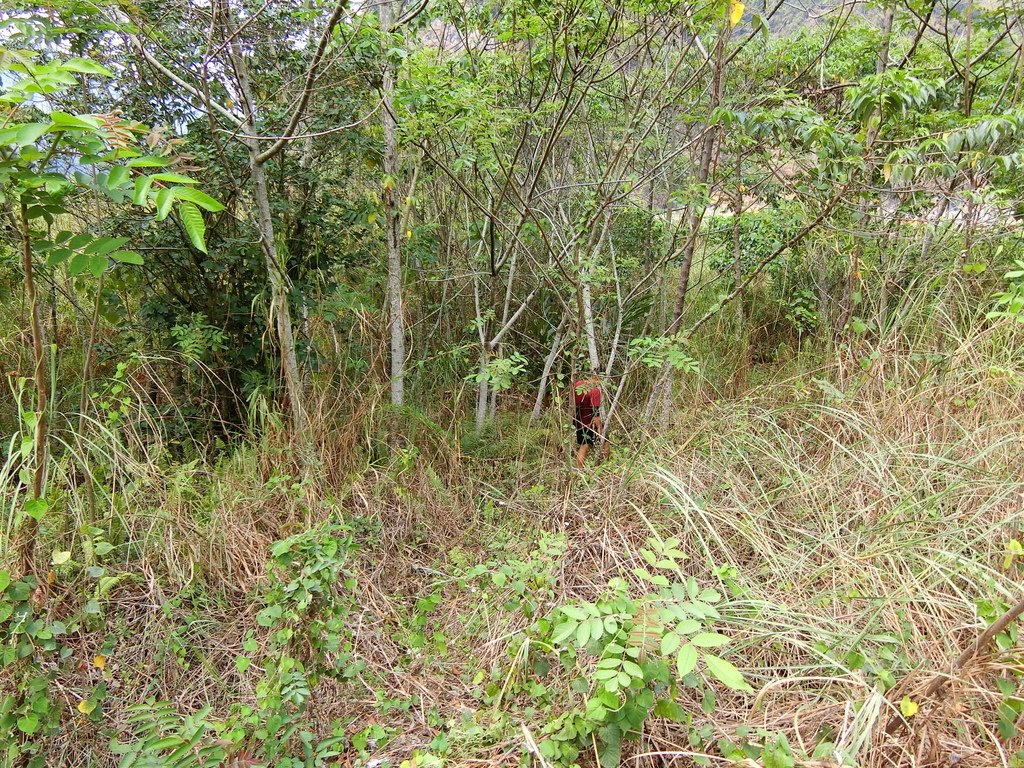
x,y
878,506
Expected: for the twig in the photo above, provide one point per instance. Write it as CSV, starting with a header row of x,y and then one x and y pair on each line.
x,y
939,681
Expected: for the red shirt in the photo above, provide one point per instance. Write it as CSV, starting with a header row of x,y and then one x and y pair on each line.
x,y
587,403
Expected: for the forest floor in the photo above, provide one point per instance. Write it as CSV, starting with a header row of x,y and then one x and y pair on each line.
x,y
858,536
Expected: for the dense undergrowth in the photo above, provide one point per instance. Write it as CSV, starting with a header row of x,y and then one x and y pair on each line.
x,y
776,579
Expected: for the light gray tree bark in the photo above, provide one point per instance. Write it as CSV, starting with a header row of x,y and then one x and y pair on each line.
x,y
396,315
549,363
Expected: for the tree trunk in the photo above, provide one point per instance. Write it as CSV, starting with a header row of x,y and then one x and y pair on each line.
x,y
279,307
549,363
968,97
740,379
26,545
394,286
481,391
588,324
279,293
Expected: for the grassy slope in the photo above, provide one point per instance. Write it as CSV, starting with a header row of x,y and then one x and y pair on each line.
x,y
855,519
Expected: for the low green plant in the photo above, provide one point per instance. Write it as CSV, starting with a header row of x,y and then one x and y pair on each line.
x,y
306,606
634,653
33,653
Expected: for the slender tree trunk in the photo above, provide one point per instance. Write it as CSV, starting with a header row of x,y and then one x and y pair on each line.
x,y
882,61
740,379
968,97
26,546
737,251
482,384
394,285
588,324
280,309
482,390
549,363
279,295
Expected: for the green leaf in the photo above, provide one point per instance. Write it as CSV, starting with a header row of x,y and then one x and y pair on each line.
x,y
670,643
142,187
564,631
148,161
686,660
127,257
59,558
709,640
28,724
104,245
632,669
29,133
192,219
98,265
583,634
36,508
5,580
688,626
78,264
164,201
118,175
58,256
174,178
64,121
201,199
670,710
79,241
574,613
726,673
86,66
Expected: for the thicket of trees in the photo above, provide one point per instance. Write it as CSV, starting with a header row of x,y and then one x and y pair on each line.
x,y
229,222
500,186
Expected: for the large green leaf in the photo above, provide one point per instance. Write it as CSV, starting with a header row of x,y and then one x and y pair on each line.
x,y
164,201
29,133
203,200
104,245
174,178
709,639
118,176
64,121
142,186
192,219
726,672
148,161
78,264
36,508
98,265
127,257
86,66
670,643
686,660
58,256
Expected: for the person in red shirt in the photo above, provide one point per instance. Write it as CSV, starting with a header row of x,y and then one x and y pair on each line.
x,y
587,417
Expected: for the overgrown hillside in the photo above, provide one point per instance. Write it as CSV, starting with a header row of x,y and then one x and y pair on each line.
x,y
562,383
